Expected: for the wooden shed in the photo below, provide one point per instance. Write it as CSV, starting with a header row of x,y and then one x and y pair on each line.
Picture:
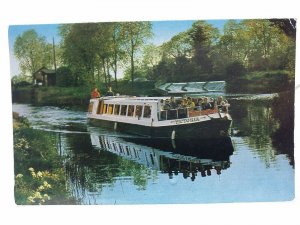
x,y
45,77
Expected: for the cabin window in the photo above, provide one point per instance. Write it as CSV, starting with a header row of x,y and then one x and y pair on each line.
x,y
104,109
110,109
163,115
147,111
138,111
130,110
123,110
100,108
117,109
172,114
90,109
182,113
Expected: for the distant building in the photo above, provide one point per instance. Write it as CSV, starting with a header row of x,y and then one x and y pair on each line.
x,y
44,77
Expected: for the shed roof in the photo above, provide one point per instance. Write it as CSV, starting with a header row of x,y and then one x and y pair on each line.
x,y
45,71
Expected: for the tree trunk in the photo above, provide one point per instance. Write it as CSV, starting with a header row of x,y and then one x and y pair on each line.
x,y
104,72
107,68
115,70
132,62
98,74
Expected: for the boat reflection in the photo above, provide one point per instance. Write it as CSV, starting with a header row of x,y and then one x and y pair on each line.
x,y
189,158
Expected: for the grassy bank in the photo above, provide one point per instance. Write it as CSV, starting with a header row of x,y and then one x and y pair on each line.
x,y
262,82
254,82
76,96
39,173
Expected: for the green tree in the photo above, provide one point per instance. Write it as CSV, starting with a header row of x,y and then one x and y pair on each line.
x,y
180,45
135,34
32,51
79,51
203,36
265,43
64,77
118,52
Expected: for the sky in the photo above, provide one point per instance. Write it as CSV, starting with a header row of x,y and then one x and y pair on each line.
x,y
162,30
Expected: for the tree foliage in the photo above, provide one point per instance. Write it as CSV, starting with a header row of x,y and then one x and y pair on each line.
x,y
202,53
32,51
135,35
96,52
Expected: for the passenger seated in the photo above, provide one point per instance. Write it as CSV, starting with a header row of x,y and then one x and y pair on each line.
x,y
173,103
222,105
219,102
199,103
167,105
183,103
212,103
206,104
190,103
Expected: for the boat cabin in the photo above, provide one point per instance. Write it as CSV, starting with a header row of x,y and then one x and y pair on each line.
x,y
145,108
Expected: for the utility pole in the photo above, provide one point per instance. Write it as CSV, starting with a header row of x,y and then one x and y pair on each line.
x,y
54,58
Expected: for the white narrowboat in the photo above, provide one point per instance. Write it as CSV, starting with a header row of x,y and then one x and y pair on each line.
x,y
148,116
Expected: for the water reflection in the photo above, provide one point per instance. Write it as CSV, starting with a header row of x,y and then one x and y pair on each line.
x,y
171,156
264,125
94,161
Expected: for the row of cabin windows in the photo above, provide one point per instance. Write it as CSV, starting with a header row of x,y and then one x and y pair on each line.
x,y
124,110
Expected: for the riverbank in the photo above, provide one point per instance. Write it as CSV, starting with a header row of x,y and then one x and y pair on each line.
x,y
39,174
262,82
255,82
76,96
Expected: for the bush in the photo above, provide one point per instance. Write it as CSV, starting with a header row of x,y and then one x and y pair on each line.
x,y
64,77
235,70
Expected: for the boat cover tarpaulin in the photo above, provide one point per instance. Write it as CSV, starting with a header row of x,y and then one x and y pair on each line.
x,y
192,87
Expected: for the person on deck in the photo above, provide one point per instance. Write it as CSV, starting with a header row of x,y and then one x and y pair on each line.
x,y
190,103
222,105
109,92
173,103
95,93
206,104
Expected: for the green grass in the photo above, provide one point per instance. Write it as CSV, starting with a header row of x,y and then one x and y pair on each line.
x,y
276,74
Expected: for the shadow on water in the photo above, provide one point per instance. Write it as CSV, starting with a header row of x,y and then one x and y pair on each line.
x,y
95,161
283,137
265,123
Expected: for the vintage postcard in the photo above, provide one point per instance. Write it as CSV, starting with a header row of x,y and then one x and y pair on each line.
x,y
153,112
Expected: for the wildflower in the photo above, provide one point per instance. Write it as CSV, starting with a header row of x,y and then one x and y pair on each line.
x,y
37,194
47,197
40,188
31,199
33,174
19,175
46,184
39,174
31,169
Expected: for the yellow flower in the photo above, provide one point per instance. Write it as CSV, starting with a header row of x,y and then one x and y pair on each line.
x,y
46,184
39,174
19,175
31,199
37,194
33,174
47,197
41,188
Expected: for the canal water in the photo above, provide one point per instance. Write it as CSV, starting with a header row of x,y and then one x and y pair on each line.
x,y
104,167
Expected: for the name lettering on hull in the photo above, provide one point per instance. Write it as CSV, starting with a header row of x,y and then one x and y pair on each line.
x,y
188,120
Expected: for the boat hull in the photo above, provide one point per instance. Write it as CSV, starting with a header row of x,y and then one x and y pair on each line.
x,y
215,128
